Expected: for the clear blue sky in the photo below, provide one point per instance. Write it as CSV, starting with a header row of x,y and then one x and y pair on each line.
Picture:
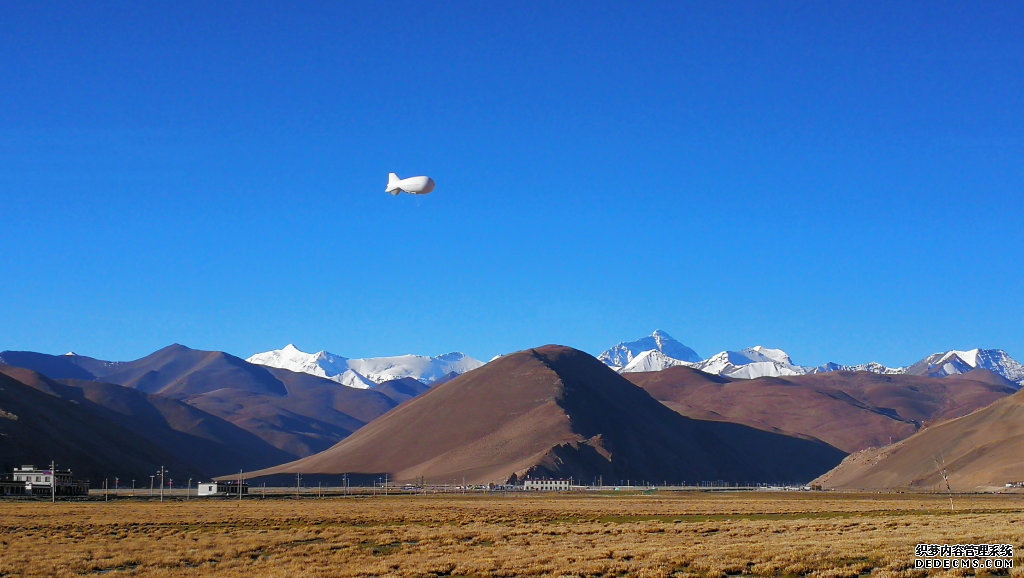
x,y
839,179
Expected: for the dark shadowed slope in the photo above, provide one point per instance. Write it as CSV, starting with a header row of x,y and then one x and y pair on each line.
x,y
52,366
404,389
849,410
982,450
181,372
203,441
37,427
297,413
556,411
68,366
312,415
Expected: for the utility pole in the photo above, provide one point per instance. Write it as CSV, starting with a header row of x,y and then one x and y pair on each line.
x,y
163,472
298,479
104,489
151,485
239,486
133,488
386,484
188,490
53,482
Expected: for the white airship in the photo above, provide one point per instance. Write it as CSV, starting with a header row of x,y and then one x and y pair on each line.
x,y
411,185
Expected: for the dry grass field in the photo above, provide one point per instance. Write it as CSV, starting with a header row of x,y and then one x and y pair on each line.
x,y
784,535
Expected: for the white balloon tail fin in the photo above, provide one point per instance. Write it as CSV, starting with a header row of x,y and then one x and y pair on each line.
x,y
393,181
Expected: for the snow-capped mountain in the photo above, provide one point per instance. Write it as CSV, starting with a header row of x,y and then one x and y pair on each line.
x,y
653,360
955,362
322,364
621,355
762,354
654,353
872,366
419,367
746,364
749,363
363,373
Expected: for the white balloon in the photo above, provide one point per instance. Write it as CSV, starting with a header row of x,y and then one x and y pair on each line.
x,y
411,185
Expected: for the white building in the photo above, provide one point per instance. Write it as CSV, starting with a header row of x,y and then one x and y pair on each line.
x,y
547,485
229,488
34,475
39,481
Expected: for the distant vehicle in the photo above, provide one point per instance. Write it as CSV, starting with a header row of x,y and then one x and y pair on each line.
x,y
411,185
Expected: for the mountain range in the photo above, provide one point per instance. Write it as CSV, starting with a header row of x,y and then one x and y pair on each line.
x,y
37,427
554,411
106,430
550,411
364,373
849,410
297,413
660,351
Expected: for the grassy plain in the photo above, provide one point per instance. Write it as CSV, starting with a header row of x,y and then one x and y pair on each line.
x,y
695,535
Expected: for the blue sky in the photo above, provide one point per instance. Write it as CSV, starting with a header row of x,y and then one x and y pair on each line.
x,y
842,180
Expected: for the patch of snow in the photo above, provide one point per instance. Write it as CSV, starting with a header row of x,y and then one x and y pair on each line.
x,y
751,363
872,367
776,355
419,367
362,373
353,379
763,369
652,360
969,357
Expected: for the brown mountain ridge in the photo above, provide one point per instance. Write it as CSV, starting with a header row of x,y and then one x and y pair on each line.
x,y
207,443
980,451
37,427
849,410
555,411
297,413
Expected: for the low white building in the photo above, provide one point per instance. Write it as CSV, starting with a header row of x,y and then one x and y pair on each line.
x,y
222,488
43,481
40,477
547,485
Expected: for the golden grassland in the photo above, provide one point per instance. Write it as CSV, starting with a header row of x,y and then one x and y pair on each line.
x,y
694,535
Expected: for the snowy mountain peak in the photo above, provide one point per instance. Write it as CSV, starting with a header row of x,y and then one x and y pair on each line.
x,y
363,373
969,357
321,364
453,357
776,355
652,360
954,362
871,366
750,363
622,354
